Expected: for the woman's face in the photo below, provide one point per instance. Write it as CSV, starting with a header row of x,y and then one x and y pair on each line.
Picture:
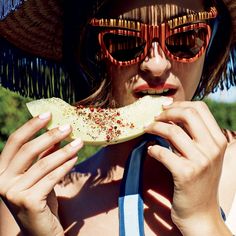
x,y
157,73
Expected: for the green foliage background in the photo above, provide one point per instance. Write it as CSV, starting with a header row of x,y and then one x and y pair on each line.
x,y
13,113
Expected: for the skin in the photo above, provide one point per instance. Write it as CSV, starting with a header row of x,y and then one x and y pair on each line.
x,y
30,188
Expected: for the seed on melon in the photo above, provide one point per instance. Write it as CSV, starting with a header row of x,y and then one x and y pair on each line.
x,y
99,126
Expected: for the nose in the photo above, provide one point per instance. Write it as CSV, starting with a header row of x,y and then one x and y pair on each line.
x,y
155,63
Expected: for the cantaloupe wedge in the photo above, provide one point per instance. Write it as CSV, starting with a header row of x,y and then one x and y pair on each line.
x,y
96,126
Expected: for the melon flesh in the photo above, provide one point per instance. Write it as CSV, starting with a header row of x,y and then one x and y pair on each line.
x,y
96,126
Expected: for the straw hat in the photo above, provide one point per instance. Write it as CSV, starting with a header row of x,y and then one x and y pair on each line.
x,y
31,47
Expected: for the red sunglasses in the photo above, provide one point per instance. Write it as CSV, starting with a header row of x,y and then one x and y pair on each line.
x,y
182,39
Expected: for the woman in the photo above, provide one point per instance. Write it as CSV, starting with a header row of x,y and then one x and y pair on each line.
x,y
188,172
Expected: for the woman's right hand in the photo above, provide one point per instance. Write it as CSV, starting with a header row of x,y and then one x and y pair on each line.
x,y
29,170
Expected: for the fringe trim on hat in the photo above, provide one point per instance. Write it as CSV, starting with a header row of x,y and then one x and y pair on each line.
x,y
7,6
31,76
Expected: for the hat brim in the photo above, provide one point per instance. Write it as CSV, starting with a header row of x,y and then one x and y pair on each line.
x,y
35,26
32,76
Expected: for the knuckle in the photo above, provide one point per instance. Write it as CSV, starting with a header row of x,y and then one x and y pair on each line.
x,y
42,164
174,131
154,127
66,151
161,152
53,134
31,122
26,148
188,174
204,164
53,176
189,112
31,201
216,153
201,105
13,196
222,142
3,187
14,138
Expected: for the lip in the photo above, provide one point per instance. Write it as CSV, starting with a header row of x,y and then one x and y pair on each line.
x,y
159,87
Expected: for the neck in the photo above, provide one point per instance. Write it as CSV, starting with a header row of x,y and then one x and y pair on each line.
x,y
109,162
116,155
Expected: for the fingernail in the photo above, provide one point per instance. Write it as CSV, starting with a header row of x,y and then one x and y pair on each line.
x,y
64,128
44,116
75,143
168,102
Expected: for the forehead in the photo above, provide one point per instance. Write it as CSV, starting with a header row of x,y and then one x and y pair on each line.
x,y
150,11
155,14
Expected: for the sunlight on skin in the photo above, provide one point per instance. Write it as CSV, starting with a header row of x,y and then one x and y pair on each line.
x,y
163,222
164,201
160,198
70,227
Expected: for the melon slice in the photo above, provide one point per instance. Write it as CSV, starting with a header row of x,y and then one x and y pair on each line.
x,y
96,126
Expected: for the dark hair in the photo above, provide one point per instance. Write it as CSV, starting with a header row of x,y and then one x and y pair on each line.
x,y
86,54
217,55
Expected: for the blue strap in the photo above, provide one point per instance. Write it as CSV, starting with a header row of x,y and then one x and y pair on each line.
x,y
130,199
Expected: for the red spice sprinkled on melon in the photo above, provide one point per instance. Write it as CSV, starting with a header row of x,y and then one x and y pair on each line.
x,y
108,121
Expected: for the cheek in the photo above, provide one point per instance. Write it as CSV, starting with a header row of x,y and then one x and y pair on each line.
x,y
189,76
121,83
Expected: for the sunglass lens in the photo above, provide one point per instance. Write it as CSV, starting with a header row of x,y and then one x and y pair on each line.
x,y
123,47
187,44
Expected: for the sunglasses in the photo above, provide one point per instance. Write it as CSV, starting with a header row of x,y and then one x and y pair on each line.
x,y
183,39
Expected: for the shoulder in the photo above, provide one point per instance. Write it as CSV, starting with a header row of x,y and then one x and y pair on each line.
x,y
229,180
230,156
231,147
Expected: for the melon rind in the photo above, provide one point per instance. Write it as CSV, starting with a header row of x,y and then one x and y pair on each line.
x,y
133,118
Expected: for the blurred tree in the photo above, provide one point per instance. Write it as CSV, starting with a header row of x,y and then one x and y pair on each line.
x,y
224,113
13,113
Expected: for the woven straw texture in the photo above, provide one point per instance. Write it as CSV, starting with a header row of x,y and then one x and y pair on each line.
x,y
36,27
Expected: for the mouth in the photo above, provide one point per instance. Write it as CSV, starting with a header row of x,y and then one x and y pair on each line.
x,y
142,91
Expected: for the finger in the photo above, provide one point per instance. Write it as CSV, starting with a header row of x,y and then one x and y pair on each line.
x,y
50,150
177,137
192,122
48,164
171,161
45,185
29,151
206,115
21,136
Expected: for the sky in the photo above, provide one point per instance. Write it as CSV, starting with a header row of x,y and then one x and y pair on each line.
x,y
224,96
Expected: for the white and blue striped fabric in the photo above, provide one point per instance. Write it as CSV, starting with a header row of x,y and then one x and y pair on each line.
x,y
130,200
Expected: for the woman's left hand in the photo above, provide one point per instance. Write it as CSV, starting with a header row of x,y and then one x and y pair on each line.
x,y
195,161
